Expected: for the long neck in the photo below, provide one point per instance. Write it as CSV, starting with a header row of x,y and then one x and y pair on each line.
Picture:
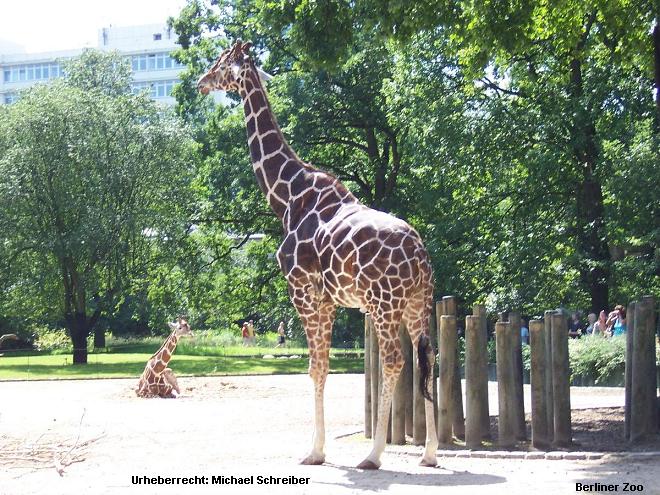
x,y
275,164
162,357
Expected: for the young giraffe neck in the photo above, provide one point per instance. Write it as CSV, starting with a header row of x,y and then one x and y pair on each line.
x,y
162,357
274,162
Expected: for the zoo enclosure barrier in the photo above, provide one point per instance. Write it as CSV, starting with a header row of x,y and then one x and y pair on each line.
x,y
549,376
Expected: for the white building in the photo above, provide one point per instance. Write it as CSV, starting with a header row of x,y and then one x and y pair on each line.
x,y
148,47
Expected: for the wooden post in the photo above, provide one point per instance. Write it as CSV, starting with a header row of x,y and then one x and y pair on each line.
x,y
503,344
479,310
643,402
560,380
375,376
518,396
476,379
407,378
538,382
449,303
367,377
458,418
399,401
447,366
549,390
433,335
630,335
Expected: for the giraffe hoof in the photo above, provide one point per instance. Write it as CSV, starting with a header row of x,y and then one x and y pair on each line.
x,y
426,463
367,464
310,460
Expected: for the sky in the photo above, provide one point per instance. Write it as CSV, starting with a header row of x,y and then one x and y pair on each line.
x,y
48,25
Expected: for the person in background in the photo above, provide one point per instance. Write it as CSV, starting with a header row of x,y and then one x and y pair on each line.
x,y
616,321
524,332
600,327
251,338
574,330
246,334
280,335
592,323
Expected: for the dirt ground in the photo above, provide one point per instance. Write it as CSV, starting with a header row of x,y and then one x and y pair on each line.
x,y
93,436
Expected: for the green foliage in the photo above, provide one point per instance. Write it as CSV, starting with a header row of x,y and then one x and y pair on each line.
x,y
596,357
107,72
93,179
47,339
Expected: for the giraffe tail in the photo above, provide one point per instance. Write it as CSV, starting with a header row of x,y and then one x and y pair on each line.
x,y
425,352
424,358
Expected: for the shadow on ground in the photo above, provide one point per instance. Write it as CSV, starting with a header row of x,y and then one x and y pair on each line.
x,y
383,479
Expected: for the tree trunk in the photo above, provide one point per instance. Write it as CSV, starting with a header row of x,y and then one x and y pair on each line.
x,y
99,337
79,331
594,267
590,223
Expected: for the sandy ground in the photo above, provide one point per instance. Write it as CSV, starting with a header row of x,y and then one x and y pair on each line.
x,y
253,426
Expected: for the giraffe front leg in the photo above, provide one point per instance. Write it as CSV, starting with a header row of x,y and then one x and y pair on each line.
x,y
318,372
317,318
171,380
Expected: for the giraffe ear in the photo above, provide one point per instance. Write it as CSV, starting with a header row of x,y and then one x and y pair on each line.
x,y
172,325
246,47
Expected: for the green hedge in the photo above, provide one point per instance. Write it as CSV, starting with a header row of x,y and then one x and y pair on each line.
x,y
602,360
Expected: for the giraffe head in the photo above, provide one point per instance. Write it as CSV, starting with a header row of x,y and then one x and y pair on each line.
x,y
181,328
226,73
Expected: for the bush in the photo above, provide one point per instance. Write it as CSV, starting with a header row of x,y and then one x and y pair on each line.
x,y
48,339
598,358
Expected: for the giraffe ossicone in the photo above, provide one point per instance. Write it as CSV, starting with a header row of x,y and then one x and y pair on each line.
x,y
157,380
336,252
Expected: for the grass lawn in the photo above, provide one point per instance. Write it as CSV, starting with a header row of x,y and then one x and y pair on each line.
x,y
130,364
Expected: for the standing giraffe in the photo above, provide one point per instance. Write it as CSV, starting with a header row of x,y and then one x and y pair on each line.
x,y
336,252
157,379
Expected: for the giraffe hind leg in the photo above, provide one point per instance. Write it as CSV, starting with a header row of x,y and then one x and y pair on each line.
x,y
416,319
389,348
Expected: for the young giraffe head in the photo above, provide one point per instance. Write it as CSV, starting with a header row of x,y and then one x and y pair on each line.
x,y
181,328
226,74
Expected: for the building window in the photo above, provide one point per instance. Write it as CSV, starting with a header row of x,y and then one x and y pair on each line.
x,y
158,37
10,98
32,72
157,89
154,61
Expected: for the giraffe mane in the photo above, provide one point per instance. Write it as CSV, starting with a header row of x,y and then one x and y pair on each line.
x,y
162,346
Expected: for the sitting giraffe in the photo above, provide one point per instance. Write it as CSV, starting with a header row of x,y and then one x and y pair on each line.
x,y
157,379
336,252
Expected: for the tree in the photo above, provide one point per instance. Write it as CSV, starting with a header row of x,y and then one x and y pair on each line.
x,y
91,178
538,56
